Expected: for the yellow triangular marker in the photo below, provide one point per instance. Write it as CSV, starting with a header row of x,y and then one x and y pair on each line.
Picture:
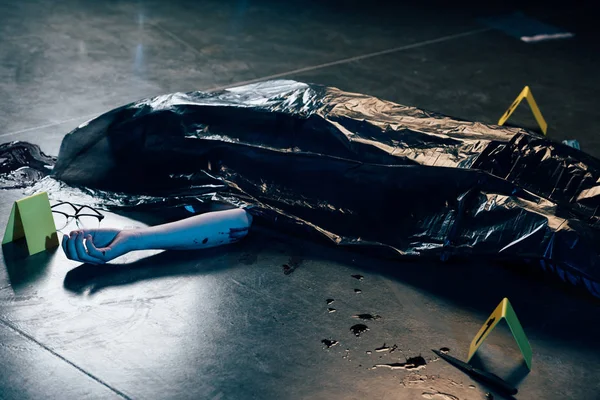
x,y
504,310
31,218
526,94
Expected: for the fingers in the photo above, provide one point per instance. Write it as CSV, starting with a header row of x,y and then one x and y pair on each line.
x,y
116,248
64,244
93,247
82,253
71,252
105,253
75,250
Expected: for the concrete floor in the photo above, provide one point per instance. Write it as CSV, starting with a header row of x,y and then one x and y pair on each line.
x,y
228,323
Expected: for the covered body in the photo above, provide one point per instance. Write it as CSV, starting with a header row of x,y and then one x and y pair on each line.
x,y
351,168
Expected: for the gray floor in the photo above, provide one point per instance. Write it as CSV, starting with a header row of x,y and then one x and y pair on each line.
x,y
228,323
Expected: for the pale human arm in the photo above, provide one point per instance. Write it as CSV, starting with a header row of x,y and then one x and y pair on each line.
x,y
212,229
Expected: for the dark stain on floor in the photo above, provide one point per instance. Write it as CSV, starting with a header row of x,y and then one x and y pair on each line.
x,y
359,329
417,362
293,263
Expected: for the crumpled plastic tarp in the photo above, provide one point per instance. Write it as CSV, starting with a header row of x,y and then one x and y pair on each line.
x,y
351,168
22,164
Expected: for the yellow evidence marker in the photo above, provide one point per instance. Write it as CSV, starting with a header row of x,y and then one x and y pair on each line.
x,y
526,94
504,310
32,219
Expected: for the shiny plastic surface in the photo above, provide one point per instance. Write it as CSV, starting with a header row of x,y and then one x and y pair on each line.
x,y
348,167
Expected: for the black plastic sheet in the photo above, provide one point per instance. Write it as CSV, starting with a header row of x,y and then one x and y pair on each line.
x,y
23,164
351,168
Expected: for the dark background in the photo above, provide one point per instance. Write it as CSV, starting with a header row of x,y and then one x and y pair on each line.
x,y
228,323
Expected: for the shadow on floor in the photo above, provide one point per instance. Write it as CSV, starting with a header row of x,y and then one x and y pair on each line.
x,y
23,269
89,279
546,306
514,378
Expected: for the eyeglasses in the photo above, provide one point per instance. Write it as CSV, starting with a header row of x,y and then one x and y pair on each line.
x,y
85,216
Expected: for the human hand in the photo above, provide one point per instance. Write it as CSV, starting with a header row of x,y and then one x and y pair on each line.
x,y
97,246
